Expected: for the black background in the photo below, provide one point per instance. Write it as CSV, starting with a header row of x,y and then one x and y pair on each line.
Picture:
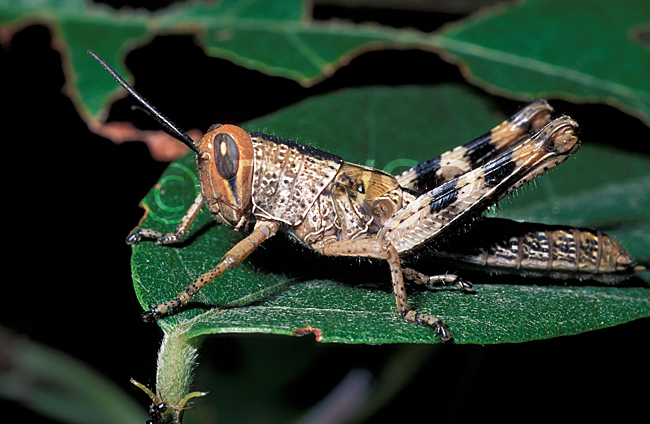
x,y
71,198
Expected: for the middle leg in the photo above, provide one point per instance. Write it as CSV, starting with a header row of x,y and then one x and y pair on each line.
x,y
382,249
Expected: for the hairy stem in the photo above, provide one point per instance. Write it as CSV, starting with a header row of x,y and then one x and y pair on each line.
x,y
176,361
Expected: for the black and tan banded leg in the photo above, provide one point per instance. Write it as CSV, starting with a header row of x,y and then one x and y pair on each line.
x,y
462,159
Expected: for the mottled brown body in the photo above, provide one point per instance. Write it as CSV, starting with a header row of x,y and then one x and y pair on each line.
x,y
288,178
341,209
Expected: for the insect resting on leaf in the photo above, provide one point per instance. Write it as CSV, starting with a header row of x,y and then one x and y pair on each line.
x,y
341,209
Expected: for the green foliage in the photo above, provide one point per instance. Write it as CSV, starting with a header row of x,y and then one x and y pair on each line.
x,y
571,49
584,51
577,49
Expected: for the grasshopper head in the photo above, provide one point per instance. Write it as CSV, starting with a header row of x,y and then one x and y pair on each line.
x,y
225,165
224,159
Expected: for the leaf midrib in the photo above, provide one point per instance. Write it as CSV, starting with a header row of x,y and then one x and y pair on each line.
x,y
542,67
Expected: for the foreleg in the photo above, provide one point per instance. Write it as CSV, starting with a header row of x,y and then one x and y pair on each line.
x,y
169,238
262,231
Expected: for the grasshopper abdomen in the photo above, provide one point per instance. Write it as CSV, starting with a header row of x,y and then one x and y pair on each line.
x,y
555,251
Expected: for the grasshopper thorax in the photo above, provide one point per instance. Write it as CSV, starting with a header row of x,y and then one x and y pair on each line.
x,y
225,166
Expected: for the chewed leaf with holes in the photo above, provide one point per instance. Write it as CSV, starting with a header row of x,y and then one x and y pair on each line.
x,y
583,50
278,38
284,289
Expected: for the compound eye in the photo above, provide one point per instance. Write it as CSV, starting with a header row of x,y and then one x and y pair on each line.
x,y
226,155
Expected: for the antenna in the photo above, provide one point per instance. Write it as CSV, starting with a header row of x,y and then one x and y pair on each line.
x,y
169,127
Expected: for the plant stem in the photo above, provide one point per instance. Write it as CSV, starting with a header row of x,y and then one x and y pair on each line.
x,y
176,361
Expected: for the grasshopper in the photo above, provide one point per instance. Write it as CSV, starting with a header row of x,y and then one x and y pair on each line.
x,y
341,209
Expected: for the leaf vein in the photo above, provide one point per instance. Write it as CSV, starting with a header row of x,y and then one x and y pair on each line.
x,y
546,68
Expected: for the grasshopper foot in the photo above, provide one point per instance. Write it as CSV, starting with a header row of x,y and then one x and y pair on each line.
x,y
134,238
143,233
441,329
465,286
151,315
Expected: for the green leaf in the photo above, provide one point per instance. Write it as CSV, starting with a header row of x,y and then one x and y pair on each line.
x,y
79,25
573,49
278,38
583,50
282,288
